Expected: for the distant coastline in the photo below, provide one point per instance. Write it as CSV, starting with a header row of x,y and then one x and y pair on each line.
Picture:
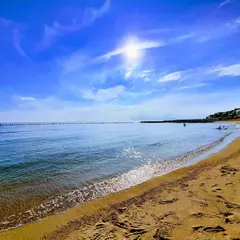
x,y
182,121
58,123
232,115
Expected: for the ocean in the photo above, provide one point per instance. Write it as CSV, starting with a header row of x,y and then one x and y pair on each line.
x,y
47,169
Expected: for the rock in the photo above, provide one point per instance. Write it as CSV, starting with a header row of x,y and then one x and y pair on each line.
x,y
214,229
197,215
195,228
226,214
227,220
168,201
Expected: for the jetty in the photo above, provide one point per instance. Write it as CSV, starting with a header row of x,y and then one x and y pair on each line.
x,y
58,123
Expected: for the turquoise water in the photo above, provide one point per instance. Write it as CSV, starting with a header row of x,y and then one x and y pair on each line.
x,y
47,169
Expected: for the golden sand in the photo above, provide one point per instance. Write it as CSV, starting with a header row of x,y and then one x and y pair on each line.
x,y
201,201
231,121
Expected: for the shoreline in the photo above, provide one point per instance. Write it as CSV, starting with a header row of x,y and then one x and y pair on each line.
x,y
229,121
95,209
107,187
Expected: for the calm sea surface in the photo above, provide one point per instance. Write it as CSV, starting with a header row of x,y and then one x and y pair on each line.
x,y
47,169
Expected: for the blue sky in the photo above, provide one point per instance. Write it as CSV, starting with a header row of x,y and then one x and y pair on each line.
x,y
118,60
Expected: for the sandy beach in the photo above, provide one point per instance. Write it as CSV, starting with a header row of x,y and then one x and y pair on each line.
x,y
230,121
201,201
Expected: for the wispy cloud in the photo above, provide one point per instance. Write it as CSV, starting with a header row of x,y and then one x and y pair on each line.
x,y
156,31
140,94
99,12
224,3
27,99
6,22
145,75
15,28
233,24
58,29
193,86
104,95
183,37
80,60
174,76
17,44
49,36
138,46
76,61
231,70
89,16
180,105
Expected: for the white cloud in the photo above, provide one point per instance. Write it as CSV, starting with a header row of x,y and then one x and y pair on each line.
x,y
193,86
167,106
49,37
58,29
104,95
174,76
17,44
231,70
140,94
89,16
233,24
15,28
128,74
147,71
99,12
226,2
76,61
156,31
183,37
136,73
27,98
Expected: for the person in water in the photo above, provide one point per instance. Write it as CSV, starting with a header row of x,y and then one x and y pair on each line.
x,y
184,124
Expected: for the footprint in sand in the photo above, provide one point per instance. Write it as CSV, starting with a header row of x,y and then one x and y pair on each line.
x,y
226,170
168,201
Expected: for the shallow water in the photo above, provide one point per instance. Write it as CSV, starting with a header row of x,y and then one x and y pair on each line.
x,y
47,169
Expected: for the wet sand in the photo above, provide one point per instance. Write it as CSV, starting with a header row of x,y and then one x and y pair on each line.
x,y
201,201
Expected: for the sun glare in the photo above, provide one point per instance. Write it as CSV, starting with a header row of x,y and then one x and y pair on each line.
x,y
132,52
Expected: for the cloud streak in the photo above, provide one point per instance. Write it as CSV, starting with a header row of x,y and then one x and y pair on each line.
x,y
138,46
17,44
57,29
6,22
193,86
173,106
27,99
174,76
224,3
231,70
104,95
15,29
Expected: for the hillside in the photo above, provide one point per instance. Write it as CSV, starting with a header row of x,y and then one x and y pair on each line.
x,y
228,115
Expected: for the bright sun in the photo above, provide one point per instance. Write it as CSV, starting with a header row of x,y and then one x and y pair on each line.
x,y
132,51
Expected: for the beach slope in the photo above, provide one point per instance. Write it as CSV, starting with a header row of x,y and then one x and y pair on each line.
x,y
201,201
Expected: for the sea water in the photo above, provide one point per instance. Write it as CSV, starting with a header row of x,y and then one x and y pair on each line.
x,y
46,169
